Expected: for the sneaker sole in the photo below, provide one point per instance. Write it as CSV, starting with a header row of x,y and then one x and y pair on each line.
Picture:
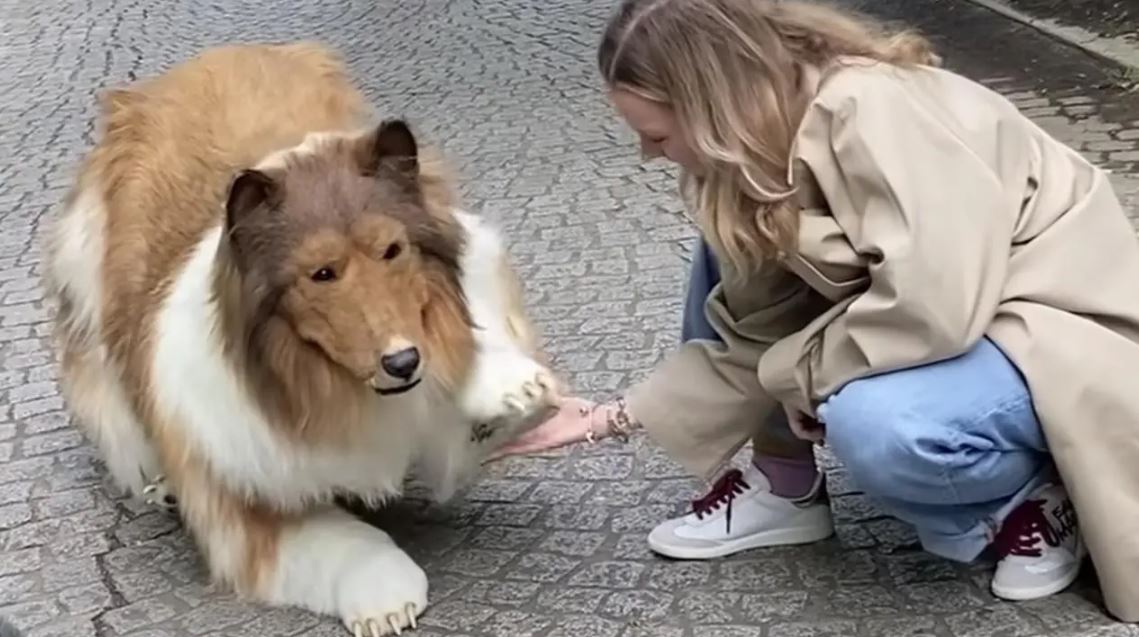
x,y
776,537
1027,594
1046,590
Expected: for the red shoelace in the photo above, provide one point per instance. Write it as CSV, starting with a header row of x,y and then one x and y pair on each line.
x,y
730,485
1022,532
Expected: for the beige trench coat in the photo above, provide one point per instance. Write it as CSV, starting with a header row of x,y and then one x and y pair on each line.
x,y
905,259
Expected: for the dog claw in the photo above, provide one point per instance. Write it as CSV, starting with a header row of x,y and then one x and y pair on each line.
x,y
374,627
154,493
544,381
153,485
532,390
550,388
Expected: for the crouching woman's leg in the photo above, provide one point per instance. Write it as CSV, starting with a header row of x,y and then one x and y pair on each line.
x,y
777,499
955,449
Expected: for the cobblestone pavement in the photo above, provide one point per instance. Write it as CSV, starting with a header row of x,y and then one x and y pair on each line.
x,y
550,545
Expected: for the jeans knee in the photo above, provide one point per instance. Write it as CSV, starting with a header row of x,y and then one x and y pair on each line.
x,y
882,442
960,431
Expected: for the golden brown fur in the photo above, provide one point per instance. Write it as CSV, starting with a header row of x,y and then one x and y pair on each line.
x,y
144,165
336,252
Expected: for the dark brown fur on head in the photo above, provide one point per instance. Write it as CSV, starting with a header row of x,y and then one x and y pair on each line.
x,y
339,273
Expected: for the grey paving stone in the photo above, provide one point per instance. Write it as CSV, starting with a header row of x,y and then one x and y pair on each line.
x,y
546,546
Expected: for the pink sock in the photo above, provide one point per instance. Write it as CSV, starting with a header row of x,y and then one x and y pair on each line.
x,y
789,477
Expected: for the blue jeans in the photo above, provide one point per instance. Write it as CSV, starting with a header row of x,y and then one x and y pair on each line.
x,y
950,447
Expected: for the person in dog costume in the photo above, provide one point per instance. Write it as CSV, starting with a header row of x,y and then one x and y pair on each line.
x,y
895,263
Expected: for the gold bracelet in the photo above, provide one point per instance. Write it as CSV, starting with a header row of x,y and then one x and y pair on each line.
x,y
620,424
590,435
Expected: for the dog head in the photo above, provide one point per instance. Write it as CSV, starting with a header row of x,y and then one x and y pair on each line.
x,y
335,240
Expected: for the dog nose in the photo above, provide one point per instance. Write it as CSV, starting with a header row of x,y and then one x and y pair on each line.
x,y
401,364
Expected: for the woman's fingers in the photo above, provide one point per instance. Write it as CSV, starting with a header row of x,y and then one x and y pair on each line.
x,y
533,440
568,425
803,426
808,429
515,449
530,444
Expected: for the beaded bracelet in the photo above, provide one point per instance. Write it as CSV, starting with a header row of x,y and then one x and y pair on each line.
x,y
590,437
619,424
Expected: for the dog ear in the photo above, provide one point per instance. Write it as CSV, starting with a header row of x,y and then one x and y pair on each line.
x,y
392,145
249,190
250,195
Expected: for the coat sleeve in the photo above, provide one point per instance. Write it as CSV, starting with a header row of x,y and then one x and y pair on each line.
x,y
933,220
704,400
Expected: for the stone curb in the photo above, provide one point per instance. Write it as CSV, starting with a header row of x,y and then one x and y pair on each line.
x,y
1117,49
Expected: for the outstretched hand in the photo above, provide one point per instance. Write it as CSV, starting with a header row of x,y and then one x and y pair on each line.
x,y
570,424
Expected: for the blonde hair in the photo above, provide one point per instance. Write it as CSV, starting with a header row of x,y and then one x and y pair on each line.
x,y
732,72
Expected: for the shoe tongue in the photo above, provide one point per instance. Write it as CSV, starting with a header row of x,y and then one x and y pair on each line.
x,y
751,476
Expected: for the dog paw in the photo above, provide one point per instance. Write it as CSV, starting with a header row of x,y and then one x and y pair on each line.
x,y
507,390
157,493
383,594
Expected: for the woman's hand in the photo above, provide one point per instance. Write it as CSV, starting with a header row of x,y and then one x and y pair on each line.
x,y
571,423
804,426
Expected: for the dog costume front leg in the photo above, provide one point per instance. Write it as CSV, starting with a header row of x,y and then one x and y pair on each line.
x,y
333,563
324,559
508,388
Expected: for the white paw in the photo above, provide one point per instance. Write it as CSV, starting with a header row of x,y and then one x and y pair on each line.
x,y
382,594
157,493
506,390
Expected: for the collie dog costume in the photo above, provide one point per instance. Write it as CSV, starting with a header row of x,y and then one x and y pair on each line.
x,y
264,303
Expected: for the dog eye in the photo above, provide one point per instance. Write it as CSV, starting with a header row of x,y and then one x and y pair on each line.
x,y
393,251
324,275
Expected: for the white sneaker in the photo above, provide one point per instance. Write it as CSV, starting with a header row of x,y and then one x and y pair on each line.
x,y
741,513
1040,547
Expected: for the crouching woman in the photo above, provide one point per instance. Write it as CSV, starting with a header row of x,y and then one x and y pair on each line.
x,y
899,262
